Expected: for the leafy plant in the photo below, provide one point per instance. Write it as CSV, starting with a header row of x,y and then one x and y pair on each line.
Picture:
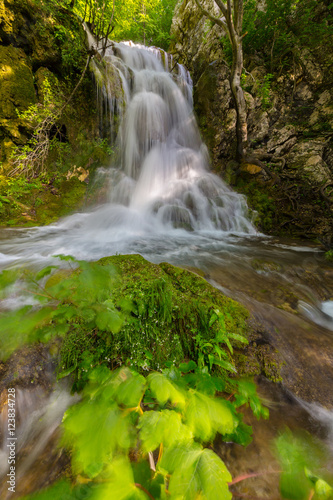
x,y
68,300
151,435
303,461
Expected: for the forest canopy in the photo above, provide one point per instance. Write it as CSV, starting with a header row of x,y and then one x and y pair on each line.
x,y
142,21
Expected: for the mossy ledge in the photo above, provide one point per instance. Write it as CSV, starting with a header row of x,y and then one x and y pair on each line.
x,y
166,309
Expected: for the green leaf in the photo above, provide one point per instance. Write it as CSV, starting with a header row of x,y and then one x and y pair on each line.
x,y
45,272
109,320
213,360
162,427
206,416
187,367
97,430
131,390
67,258
196,471
8,277
164,390
120,483
323,489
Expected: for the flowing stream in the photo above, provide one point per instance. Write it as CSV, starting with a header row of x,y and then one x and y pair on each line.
x,y
164,204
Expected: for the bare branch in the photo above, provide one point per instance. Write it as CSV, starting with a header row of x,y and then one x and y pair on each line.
x,y
214,19
222,7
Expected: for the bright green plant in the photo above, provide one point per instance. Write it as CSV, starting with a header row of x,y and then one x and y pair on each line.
x,y
264,91
329,255
68,300
303,461
130,436
136,437
281,27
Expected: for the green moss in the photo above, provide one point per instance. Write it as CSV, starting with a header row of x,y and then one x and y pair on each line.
x,y
25,203
17,94
167,308
329,255
260,202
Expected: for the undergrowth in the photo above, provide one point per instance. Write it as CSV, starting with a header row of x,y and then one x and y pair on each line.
x,y
133,436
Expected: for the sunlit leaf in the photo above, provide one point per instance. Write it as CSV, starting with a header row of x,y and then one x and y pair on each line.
x,y
164,390
162,427
196,471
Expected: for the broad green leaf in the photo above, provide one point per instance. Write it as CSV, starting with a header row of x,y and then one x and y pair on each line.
x,y
21,327
119,484
196,471
131,390
323,489
162,427
96,430
298,455
8,277
164,390
109,320
206,416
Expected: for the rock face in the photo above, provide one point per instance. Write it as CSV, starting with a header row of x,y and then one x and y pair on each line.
x,y
290,121
36,42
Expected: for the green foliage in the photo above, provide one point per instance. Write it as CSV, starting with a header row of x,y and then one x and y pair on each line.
x,y
276,30
151,316
264,91
137,416
302,460
30,159
147,21
260,202
175,411
67,301
329,255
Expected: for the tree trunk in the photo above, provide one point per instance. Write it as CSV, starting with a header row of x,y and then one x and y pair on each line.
x,y
232,24
237,91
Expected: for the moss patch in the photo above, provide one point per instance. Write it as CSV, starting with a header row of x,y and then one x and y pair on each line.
x,y
166,308
33,203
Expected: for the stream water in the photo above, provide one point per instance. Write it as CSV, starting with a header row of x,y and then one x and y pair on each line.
x,y
164,204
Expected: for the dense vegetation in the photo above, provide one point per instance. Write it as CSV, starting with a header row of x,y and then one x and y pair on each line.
x,y
157,381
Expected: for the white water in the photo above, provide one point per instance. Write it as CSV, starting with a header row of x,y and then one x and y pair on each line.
x,y
160,186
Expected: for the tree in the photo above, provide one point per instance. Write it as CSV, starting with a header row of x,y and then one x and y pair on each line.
x,y
232,22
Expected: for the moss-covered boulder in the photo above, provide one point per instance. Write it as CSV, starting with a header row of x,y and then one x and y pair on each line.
x,y
171,315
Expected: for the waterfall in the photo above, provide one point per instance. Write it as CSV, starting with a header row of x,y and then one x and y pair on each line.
x,y
161,198
160,179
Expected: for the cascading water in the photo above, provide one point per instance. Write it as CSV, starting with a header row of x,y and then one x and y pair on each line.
x,y
160,188
163,182
164,204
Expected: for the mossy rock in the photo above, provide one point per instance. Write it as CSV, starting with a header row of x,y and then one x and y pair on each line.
x,y
17,91
165,308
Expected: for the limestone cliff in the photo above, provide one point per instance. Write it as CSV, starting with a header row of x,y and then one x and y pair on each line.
x,y
290,122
